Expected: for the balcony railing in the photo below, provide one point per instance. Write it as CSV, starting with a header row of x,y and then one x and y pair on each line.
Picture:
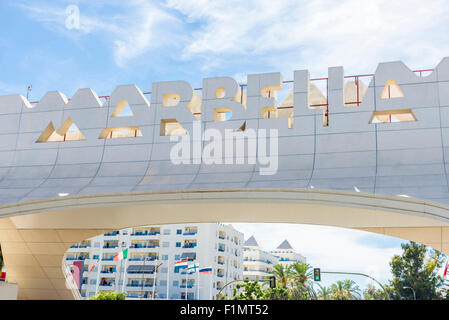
x,y
190,233
139,246
220,262
189,286
221,249
139,285
144,258
146,233
112,234
108,271
76,258
190,245
111,246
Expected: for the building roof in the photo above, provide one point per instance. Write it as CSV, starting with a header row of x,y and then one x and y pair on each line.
x,y
251,242
285,245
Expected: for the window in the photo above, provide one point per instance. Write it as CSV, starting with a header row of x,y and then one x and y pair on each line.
x,y
175,283
177,257
165,244
179,231
389,116
391,90
165,257
120,132
178,244
166,232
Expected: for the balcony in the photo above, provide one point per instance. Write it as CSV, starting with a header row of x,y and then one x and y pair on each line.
x,y
108,271
220,275
190,245
221,249
145,233
76,258
220,262
144,258
112,234
139,285
189,286
143,246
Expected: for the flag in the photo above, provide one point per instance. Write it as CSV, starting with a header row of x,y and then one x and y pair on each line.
x,y
445,269
182,263
122,255
192,267
77,271
206,270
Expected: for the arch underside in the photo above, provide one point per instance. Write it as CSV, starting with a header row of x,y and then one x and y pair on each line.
x,y
35,235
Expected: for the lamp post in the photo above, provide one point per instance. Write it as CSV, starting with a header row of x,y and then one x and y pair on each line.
x,y
413,290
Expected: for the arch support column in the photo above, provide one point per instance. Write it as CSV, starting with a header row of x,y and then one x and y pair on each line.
x,y
33,258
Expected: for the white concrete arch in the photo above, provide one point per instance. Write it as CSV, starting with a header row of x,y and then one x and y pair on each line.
x,y
35,235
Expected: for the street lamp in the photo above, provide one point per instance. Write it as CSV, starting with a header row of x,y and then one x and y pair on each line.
x,y
414,294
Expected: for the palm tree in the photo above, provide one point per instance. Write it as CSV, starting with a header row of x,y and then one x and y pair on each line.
x,y
345,290
281,274
324,293
300,273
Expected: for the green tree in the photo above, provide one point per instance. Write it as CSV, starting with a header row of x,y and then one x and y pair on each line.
x,y
278,293
345,290
324,293
300,273
281,274
373,293
417,268
114,295
301,284
248,290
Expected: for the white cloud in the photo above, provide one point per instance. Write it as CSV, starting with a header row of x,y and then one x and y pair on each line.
x,y
134,28
317,34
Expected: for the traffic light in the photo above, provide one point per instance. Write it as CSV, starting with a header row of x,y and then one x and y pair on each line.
x,y
272,282
316,274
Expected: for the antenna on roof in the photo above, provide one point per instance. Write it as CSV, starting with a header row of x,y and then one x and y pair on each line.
x,y
30,87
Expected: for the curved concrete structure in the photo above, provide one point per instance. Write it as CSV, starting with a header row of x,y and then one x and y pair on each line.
x,y
34,242
378,163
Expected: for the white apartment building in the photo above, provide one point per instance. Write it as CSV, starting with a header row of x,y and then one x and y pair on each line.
x,y
287,255
258,263
149,269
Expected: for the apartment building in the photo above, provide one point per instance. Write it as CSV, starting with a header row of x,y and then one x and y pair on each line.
x,y
287,255
257,263
149,270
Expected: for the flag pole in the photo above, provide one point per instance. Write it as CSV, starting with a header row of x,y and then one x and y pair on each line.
x,y
100,259
198,285
186,285
168,276
124,271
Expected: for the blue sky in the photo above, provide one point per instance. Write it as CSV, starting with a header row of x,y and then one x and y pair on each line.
x,y
137,41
